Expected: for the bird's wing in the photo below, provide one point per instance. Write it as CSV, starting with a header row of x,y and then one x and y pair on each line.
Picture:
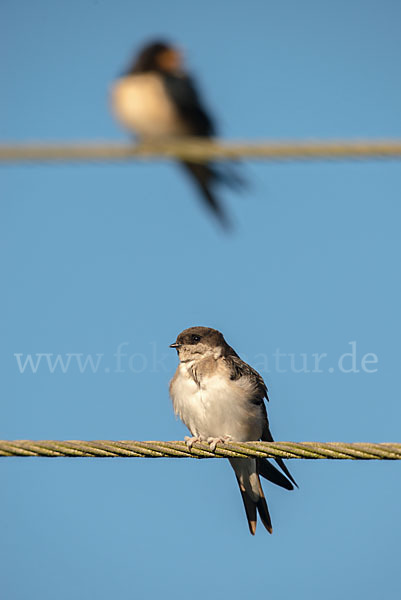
x,y
267,437
183,93
238,368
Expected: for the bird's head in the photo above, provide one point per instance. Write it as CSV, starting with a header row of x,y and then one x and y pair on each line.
x,y
157,56
197,343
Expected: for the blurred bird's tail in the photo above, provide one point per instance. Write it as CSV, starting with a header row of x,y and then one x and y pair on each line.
x,y
206,176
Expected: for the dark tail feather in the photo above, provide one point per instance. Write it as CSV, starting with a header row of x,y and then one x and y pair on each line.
x,y
205,176
269,472
264,514
250,509
230,176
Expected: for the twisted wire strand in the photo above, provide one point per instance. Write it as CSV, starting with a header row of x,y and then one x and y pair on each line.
x,y
179,449
201,149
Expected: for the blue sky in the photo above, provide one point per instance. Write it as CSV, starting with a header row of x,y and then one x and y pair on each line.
x,y
101,256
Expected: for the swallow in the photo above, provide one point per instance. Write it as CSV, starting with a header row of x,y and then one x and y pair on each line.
x,y
220,398
156,99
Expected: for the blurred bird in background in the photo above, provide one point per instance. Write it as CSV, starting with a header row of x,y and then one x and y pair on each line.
x,y
156,99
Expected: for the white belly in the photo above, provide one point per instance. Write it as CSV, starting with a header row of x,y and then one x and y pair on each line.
x,y
217,408
141,104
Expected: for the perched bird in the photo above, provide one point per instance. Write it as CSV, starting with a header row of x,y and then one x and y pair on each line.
x,y
220,398
157,99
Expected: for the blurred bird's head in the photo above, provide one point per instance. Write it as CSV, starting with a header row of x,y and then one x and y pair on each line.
x,y
157,56
199,342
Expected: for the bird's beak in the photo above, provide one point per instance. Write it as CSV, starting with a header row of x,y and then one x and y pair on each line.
x,y
175,345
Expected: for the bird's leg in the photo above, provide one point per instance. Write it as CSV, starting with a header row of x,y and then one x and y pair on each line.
x,y
213,441
190,441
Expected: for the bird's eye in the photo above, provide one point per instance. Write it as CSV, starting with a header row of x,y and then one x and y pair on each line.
x,y
195,338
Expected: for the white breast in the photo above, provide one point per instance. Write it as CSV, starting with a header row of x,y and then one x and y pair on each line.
x,y
142,105
187,400
216,408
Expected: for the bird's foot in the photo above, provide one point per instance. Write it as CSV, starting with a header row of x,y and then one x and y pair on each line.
x,y
190,441
213,441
